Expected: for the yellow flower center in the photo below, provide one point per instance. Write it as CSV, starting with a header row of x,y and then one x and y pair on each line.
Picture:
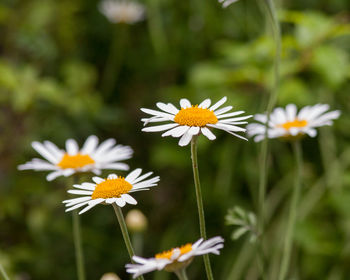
x,y
111,188
295,123
195,116
76,161
167,254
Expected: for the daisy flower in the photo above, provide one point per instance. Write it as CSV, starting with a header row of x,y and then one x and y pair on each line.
x,y
288,123
192,120
122,11
226,3
175,259
114,189
91,157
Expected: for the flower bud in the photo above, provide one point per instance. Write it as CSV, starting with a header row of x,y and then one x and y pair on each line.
x,y
110,276
136,221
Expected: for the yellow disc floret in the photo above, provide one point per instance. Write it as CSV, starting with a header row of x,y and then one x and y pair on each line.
x,y
111,188
295,123
167,254
195,116
76,161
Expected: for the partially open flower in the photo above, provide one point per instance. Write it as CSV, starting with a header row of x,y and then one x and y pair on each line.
x,y
177,258
121,11
192,120
114,189
90,158
287,123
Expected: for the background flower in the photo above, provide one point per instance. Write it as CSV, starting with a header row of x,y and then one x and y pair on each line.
x,y
91,157
122,11
288,123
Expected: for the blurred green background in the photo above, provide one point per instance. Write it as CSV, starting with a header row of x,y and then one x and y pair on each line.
x,y
67,72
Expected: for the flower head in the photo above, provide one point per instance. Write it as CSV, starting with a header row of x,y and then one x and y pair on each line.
x,y
176,258
91,157
121,11
226,3
114,189
288,123
192,120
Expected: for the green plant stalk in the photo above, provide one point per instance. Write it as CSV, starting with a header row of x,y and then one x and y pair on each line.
x,y
181,274
3,273
200,203
79,257
271,10
124,229
288,241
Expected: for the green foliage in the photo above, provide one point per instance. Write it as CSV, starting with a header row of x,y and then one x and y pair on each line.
x,y
53,60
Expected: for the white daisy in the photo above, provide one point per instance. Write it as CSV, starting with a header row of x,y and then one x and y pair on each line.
x,y
176,258
192,120
226,3
114,189
91,157
288,123
122,11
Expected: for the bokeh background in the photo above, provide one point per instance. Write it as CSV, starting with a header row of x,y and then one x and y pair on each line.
x,y
67,72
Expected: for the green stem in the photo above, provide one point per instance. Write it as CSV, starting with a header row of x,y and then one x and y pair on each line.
x,y
288,241
79,255
120,217
181,274
200,203
3,273
270,7
78,246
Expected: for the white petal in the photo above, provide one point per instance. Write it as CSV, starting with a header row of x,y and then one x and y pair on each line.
x,y
104,147
185,103
223,110
72,147
133,175
159,127
120,202
112,176
89,145
205,104
169,108
97,180
219,103
81,192
194,130
185,139
42,150
176,131
157,113
91,204
230,114
111,200
54,175
206,132
291,112
53,149
129,199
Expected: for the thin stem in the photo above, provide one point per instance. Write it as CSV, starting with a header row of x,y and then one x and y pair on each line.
x,y
263,173
181,274
288,241
200,203
271,9
3,273
124,229
79,257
